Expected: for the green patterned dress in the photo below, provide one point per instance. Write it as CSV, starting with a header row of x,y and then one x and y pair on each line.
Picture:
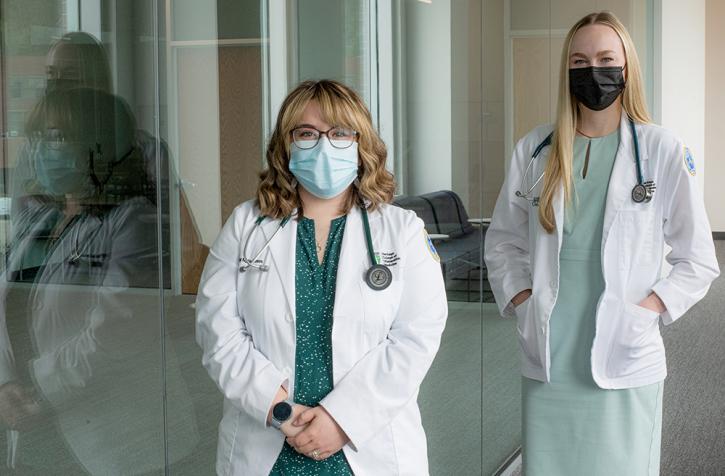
x,y
572,427
314,302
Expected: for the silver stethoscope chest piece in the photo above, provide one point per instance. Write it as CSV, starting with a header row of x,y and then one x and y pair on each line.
x,y
642,192
378,277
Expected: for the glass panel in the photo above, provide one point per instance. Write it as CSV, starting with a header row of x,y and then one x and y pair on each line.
x,y
438,109
84,190
130,132
212,109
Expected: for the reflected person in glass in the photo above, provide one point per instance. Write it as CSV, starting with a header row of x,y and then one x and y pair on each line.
x,y
81,331
318,351
79,60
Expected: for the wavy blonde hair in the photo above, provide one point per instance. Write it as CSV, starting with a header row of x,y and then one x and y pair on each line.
x,y
277,194
558,169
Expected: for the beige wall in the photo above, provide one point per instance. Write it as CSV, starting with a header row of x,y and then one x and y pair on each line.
x,y
714,107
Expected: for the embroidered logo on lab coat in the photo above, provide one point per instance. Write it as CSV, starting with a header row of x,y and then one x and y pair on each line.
x,y
429,245
389,258
689,162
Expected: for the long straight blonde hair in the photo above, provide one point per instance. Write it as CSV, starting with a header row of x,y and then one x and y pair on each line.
x,y
558,169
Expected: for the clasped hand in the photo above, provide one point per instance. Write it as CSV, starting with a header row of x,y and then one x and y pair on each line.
x,y
18,409
313,429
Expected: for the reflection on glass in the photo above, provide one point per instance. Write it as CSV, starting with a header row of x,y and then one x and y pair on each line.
x,y
80,359
77,59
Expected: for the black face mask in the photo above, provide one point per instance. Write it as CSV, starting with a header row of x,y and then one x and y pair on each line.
x,y
596,87
56,84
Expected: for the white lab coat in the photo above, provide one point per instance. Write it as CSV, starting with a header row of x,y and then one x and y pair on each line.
x,y
627,350
383,342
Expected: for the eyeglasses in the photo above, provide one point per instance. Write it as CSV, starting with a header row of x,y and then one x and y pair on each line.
x,y
307,137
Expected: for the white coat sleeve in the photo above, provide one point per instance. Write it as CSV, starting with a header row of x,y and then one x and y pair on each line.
x,y
121,326
374,391
687,230
507,238
243,374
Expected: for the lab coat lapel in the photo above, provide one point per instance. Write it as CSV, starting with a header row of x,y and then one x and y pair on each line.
x,y
351,265
620,182
282,250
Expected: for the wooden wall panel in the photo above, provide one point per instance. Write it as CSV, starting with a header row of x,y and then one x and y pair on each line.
x,y
240,120
240,150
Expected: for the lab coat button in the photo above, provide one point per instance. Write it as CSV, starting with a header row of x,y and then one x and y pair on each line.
x,y
552,283
288,317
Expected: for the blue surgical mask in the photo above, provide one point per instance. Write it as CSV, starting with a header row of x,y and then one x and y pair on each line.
x,y
60,171
324,170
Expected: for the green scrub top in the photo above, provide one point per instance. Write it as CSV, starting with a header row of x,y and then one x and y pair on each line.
x,y
314,302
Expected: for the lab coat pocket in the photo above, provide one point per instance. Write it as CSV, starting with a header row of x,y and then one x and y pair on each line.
x,y
526,327
380,308
637,346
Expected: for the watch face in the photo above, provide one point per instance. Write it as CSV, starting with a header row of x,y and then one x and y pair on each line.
x,y
282,411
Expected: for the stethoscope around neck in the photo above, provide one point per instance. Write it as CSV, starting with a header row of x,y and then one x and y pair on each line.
x,y
377,277
641,192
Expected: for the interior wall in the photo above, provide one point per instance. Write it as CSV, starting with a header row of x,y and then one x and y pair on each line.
x,y
333,42
142,67
682,75
316,23
199,137
466,107
428,88
714,107
493,105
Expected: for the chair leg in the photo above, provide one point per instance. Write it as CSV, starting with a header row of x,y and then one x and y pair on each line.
x,y
468,285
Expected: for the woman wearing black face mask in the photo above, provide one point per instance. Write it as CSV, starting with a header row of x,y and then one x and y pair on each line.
x,y
574,251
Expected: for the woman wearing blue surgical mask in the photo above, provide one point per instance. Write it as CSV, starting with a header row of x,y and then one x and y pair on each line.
x,y
321,306
575,252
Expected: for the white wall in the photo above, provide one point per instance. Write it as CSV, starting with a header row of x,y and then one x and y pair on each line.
x,y
195,98
682,75
428,82
714,107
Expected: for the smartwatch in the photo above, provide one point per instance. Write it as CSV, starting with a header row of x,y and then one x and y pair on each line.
x,y
281,413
